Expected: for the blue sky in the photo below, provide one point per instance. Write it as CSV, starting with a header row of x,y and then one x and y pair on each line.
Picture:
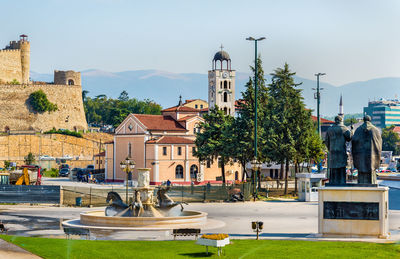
x,y
352,40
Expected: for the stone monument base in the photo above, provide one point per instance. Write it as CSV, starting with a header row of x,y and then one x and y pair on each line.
x,y
353,211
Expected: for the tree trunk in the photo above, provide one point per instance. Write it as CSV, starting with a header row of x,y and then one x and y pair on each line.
x,y
296,169
281,172
244,172
223,170
286,176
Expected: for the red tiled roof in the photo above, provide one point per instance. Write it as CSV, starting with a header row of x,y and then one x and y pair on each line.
x,y
314,118
396,129
171,140
180,109
189,101
159,122
101,154
187,117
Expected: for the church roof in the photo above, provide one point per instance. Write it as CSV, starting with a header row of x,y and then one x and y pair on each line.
x,y
180,109
159,122
221,55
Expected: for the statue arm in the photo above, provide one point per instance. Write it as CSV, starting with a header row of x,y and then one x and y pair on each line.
x,y
348,135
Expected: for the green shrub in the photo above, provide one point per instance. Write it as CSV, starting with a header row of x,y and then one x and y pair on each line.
x,y
53,172
15,82
39,102
64,132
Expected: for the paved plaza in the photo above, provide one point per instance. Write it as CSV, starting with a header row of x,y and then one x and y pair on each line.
x,y
283,219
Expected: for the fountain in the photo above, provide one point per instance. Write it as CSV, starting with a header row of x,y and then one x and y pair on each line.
x,y
143,213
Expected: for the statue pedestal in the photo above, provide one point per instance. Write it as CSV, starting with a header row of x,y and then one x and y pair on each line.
x,y
353,211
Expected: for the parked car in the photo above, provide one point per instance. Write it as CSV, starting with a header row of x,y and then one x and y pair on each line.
x,y
90,168
64,172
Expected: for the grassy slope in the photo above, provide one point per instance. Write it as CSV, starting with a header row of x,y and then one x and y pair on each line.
x,y
62,248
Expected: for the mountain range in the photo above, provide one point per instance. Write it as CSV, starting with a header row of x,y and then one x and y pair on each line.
x,y
165,88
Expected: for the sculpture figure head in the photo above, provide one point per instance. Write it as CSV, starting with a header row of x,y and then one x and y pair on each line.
x,y
367,118
338,120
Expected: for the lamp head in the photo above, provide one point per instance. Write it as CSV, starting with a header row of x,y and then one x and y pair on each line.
x,y
250,38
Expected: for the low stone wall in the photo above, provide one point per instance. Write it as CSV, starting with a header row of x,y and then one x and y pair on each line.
x,y
15,147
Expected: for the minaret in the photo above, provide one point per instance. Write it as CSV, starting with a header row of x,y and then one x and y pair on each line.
x,y
341,107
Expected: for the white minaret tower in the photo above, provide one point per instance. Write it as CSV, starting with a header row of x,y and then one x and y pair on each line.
x,y
221,83
341,106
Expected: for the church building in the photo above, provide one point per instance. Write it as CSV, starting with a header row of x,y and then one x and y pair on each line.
x,y
165,143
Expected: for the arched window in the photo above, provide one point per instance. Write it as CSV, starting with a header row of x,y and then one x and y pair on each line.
x,y
226,110
229,110
236,175
70,82
193,171
225,97
225,84
179,172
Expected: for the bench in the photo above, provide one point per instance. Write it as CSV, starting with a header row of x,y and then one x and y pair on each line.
x,y
76,231
186,232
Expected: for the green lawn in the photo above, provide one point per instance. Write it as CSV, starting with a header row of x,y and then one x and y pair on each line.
x,y
62,248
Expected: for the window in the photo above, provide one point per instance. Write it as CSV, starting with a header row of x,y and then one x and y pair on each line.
x,y
221,85
201,106
196,106
219,162
193,171
193,150
225,97
129,149
208,163
229,85
226,110
70,82
179,172
236,175
164,151
179,151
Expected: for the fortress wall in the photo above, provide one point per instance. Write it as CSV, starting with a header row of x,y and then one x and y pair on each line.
x,y
15,147
10,65
16,114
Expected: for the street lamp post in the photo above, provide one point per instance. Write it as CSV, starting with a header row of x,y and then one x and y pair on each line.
x,y
255,111
127,166
318,97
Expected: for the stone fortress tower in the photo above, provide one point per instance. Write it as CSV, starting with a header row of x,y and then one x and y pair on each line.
x,y
15,89
221,83
15,61
67,77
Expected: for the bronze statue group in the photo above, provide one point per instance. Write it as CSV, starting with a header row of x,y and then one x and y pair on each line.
x,y
366,147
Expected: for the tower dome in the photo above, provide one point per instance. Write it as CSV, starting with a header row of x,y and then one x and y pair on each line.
x,y
221,55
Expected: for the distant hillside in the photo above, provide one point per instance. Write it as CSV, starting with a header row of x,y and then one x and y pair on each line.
x,y
165,88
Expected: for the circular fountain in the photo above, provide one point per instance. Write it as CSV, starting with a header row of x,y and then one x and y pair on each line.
x,y
143,213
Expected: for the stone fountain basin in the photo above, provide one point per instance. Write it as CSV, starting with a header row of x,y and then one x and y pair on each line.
x,y
187,217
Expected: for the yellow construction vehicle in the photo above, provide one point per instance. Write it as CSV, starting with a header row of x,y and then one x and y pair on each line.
x,y
24,178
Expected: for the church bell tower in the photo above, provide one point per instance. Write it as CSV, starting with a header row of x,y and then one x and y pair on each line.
x,y
221,83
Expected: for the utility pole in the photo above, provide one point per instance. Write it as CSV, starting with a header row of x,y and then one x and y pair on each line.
x,y
318,97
